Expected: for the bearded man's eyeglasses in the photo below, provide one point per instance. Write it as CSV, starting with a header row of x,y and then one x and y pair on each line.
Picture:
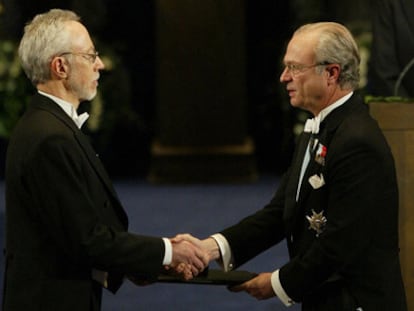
x,y
89,56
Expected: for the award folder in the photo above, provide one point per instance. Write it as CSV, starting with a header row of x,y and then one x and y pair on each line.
x,y
211,277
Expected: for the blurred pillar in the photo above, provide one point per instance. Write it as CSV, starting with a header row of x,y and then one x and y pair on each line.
x,y
396,121
201,112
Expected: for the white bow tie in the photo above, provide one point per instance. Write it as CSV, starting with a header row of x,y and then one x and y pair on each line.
x,y
81,119
312,125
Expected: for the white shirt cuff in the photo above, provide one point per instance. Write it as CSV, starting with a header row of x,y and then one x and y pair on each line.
x,y
226,256
168,252
279,291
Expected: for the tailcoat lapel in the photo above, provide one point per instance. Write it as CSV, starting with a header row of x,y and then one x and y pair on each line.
x,y
291,188
313,168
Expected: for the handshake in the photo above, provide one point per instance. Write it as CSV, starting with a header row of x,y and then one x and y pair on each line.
x,y
190,256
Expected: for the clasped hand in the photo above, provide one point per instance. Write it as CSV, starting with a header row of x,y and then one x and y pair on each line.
x,y
189,258
192,255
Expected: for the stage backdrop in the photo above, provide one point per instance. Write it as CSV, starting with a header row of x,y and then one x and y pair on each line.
x,y
201,128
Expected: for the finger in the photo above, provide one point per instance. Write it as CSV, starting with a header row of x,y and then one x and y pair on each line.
x,y
177,239
203,257
189,238
182,237
188,276
180,268
198,264
188,273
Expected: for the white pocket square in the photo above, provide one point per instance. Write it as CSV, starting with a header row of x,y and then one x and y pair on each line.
x,y
316,181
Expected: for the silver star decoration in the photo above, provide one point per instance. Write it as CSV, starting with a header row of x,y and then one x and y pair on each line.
x,y
317,222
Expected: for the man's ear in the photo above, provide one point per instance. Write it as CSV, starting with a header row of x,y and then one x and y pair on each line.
x,y
333,71
59,68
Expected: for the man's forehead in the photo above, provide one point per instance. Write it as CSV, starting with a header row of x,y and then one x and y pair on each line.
x,y
300,49
80,35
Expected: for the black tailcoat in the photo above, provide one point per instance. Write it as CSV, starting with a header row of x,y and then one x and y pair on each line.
x,y
357,252
63,219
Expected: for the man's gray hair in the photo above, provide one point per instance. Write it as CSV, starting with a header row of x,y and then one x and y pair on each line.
x,y
44,38
336,45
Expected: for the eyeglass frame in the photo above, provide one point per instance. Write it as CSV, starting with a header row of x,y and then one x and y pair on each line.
x,y
295,69
89,56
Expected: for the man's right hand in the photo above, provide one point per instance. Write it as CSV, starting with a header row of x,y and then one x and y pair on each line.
x,y
188,259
